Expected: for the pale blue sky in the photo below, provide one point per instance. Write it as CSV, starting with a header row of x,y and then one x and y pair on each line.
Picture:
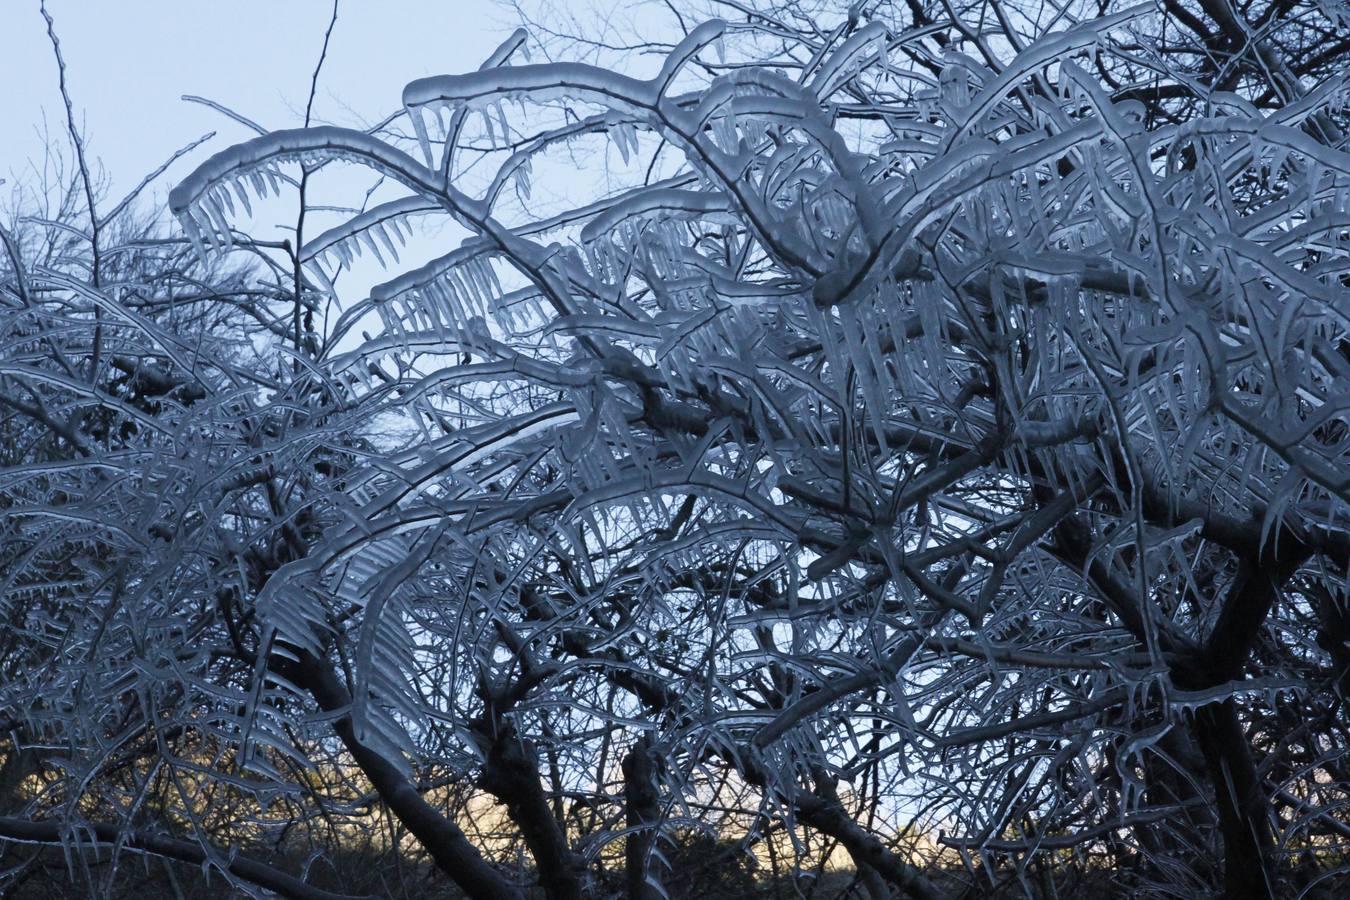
x,y
129,62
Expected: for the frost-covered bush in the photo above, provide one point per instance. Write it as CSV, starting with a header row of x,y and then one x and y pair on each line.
x,y
938,459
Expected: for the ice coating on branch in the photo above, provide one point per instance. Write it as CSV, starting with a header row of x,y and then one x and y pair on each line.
x,y
863,47
307,145
659,204
1041,53
926,434
199,201
381,219
703,35
546,82
452,290
515,42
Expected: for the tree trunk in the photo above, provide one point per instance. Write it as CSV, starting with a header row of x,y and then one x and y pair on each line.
x,y
453,852
512,776
642,872
1248,864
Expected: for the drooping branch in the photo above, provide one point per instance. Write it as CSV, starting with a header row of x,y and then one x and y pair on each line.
x,y
102,834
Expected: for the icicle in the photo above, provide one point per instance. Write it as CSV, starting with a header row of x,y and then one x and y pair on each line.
x,y
725,134
489,128
432,302
194,235
480,270
455,304
488,276
469,287
609,255
216,209
243,195
455,292
415,310
223,193
383,235
523,174
322,277
206,228
370,242
481,290
420,129
495,282
442,127
220,225
593,258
